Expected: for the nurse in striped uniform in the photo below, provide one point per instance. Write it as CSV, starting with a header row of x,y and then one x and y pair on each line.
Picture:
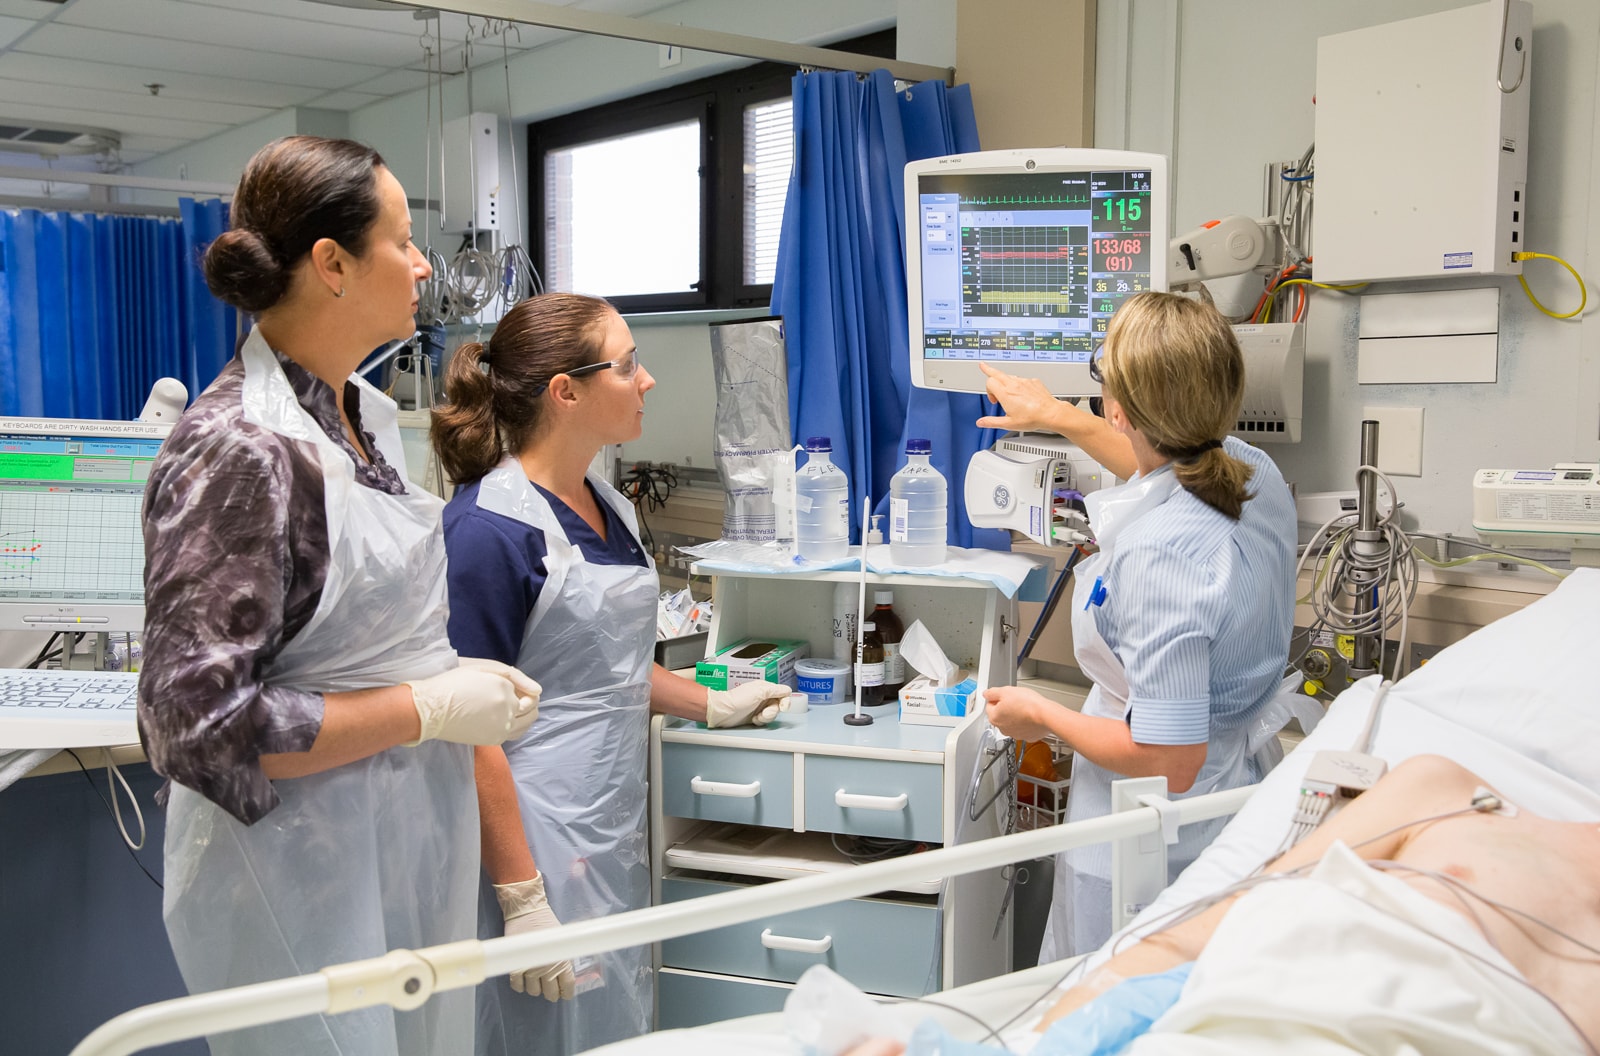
x,y
1182,620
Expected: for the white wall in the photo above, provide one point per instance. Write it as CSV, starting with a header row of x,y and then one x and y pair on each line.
x,y
1225,86
221,158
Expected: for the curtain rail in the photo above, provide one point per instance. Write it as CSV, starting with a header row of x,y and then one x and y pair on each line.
x,y
114,179
86,205
406,979
552,16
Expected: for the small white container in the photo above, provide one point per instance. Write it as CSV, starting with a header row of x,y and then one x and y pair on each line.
x,y
823,681
799,703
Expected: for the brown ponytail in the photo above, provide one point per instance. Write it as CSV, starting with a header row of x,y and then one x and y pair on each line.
x,y
1175,366
464,430
494,392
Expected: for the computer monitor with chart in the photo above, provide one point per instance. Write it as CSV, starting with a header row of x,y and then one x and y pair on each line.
x,y
1020,258
71,535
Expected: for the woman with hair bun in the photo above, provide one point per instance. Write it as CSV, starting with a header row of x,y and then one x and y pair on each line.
x,y
299,691
547,573
1182,619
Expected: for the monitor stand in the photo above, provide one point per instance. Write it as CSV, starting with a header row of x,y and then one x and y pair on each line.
x,y
93,658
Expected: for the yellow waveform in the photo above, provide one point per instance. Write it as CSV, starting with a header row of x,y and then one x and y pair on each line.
x,y
1022,297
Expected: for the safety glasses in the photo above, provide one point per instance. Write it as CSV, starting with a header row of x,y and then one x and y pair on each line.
x,y
626,367
1094,364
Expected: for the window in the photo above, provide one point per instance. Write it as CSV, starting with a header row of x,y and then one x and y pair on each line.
x,y
768,154
612,234
674,199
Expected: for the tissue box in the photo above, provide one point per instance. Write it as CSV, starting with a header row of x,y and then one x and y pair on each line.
x,y
924,704
752,660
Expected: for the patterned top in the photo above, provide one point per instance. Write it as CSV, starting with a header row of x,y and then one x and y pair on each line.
x,y
1199,607
236,555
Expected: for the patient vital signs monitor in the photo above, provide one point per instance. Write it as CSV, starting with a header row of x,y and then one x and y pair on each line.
x,y
71,537
1020,258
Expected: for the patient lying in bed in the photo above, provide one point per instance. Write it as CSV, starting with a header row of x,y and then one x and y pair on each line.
x,y
1411,918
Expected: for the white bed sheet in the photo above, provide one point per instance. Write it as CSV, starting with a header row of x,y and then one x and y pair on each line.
x,y
1017,994
1515,702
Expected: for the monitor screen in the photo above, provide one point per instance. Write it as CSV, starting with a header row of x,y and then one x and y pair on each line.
x,y
1020,258
71,534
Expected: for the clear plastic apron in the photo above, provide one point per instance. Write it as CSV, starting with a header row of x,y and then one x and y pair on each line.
x,y
1080,908
580,773
375,855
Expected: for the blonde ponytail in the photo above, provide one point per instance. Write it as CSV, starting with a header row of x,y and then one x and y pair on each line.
x,y
1175,367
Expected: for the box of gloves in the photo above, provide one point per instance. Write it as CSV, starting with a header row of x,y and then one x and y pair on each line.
x,y
752,660
923,702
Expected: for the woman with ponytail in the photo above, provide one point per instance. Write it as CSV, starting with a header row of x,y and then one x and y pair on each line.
x,y
547,573
1182,619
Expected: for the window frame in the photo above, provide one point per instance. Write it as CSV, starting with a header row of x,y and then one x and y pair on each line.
x,y
720,102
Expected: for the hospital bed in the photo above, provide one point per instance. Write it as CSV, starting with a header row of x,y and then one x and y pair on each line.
x,y
1514,702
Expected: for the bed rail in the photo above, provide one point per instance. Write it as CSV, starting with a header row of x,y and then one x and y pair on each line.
x,y
406,979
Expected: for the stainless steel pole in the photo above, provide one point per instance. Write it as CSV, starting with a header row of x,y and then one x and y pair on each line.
x,y
1368,544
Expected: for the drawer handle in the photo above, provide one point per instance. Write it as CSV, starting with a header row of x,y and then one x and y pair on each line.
x,y
842,798
702,787
794,945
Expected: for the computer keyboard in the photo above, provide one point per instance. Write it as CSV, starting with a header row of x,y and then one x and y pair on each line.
x,y
67,709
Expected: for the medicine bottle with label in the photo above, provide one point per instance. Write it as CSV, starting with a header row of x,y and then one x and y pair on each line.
x,y
869,672
891,630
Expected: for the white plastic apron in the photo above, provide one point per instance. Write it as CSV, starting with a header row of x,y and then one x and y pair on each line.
x,y
1080,908
377,854
580,773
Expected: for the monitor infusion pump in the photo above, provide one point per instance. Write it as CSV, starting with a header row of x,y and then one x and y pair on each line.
x,y
1557,508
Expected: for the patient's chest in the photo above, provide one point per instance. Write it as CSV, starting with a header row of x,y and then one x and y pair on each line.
x,y
1549,870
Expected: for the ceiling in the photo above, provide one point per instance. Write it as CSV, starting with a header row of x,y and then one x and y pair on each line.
x,y
219,63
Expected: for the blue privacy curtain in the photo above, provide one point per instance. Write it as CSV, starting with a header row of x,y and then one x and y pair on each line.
x,y
95,309
841,284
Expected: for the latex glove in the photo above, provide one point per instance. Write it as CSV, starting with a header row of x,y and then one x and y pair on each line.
x,y
480,702
526,687
756,703
526,909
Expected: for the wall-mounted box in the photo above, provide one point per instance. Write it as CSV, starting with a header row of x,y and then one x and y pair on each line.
x,y
1445,336
471,174
1422,145
1274,382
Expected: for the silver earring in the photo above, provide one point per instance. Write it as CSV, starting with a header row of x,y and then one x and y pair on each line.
x,y
340,293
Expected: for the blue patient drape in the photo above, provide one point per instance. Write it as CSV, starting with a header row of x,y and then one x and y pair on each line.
x,y
95,309
841,283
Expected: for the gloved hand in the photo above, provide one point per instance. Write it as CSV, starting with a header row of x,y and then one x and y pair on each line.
x,y
757,703
526,687
526,909
480,702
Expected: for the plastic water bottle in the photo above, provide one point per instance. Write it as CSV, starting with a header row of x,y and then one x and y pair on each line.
x,y
822,501
917,510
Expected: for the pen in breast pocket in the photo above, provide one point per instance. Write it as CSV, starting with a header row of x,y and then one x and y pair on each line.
x,y
1097,593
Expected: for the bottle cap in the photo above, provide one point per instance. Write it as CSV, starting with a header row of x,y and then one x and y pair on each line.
x,y
918,447
819,443
883,597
